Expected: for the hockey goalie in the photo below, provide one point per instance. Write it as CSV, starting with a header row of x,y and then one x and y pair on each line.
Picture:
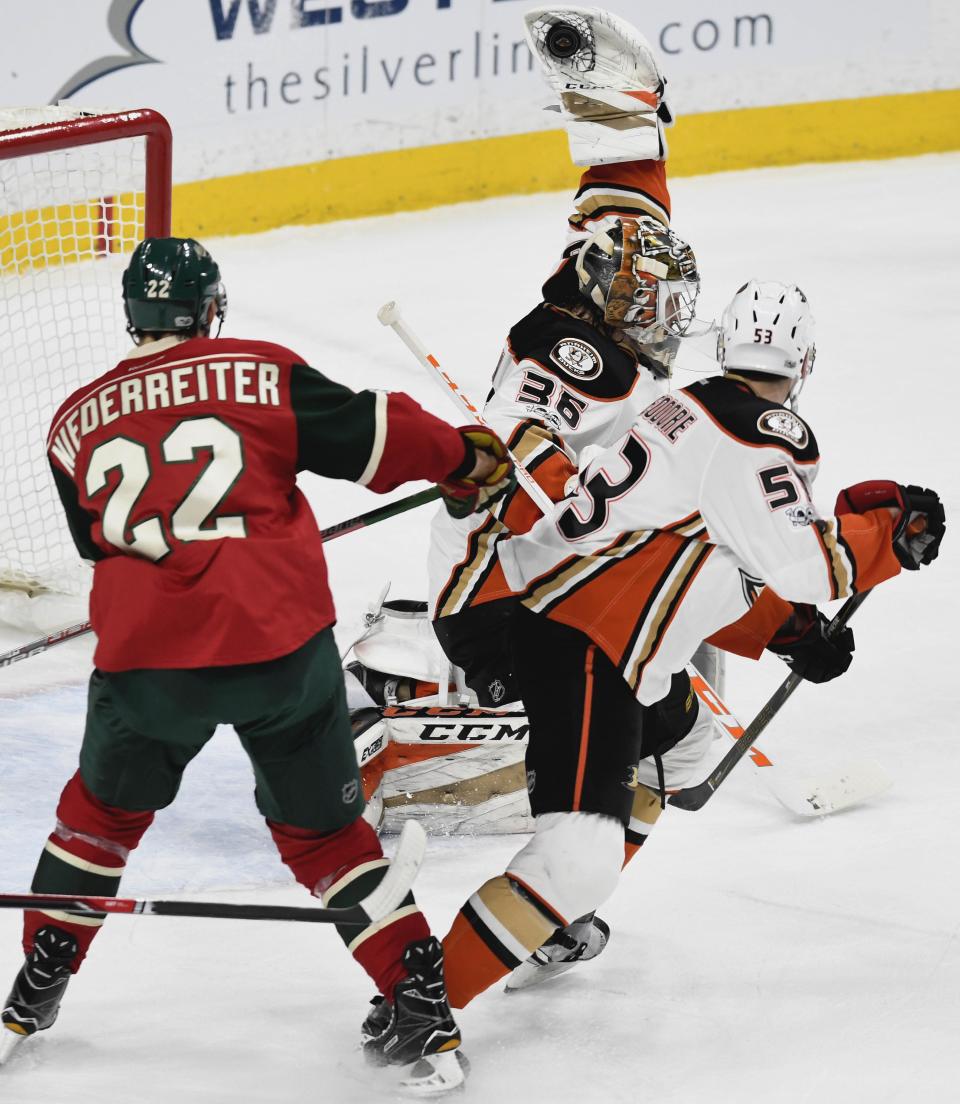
x,y
573,374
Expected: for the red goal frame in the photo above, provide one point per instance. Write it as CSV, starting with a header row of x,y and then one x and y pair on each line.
x,y
89,130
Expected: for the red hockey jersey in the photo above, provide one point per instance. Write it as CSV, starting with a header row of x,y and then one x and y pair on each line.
x,y
177,471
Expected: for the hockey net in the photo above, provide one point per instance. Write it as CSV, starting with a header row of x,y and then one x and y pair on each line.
x,y
77,191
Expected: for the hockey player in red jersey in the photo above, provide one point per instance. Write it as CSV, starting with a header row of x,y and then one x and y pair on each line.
x,y
177,471
707,496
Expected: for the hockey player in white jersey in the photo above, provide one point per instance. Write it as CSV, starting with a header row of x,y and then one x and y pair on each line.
x,y
670,530
575,372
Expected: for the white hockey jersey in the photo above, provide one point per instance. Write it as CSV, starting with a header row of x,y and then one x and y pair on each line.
x,y
676,526
560,387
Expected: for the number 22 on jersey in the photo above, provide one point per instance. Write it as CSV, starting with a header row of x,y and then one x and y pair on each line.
x,y
191,519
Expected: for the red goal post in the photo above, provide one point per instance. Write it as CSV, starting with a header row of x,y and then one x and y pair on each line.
x,y
78,190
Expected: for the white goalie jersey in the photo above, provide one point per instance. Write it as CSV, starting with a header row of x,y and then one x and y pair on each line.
x,y
673,529
560,388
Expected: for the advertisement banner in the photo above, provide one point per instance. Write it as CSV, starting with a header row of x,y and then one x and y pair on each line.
x,y
264,84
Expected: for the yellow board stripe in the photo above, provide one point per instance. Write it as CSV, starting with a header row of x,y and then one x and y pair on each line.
x,y
70,232
412,179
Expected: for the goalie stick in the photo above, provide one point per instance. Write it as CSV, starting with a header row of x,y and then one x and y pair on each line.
x,y
389,315
351,525
853,784
377,905
695,797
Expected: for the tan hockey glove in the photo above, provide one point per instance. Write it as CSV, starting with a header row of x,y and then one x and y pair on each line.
x,y
485,475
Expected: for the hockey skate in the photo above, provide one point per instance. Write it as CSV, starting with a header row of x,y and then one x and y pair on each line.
x,y
418,1027
34,1000
607,80
578,942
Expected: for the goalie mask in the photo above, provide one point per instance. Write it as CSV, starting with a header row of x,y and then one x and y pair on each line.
x,y
645,280
169,286
767,329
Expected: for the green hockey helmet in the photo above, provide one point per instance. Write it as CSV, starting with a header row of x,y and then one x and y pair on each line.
x,y
168,288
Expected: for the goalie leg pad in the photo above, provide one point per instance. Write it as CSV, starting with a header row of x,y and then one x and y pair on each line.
x,y
371,737
711,663
572,863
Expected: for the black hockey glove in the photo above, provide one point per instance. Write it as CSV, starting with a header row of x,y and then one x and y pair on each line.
x,y
802,642
922,523
464,491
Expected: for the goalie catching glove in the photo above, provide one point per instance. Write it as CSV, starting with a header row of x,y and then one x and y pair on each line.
x,y
919,528
607,80
802,641
485,475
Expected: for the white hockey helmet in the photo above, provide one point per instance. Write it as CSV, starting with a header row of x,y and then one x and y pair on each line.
x,y
767,328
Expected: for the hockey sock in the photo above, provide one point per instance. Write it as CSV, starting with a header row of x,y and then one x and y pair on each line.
x,y
85,854
644,814
495,930
341,868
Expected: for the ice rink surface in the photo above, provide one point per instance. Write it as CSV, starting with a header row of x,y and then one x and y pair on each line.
x,y
754,956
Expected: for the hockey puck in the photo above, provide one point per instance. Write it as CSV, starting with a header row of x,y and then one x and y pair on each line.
x,y
563,41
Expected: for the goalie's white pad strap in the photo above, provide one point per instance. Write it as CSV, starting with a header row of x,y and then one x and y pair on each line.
x,y
403,644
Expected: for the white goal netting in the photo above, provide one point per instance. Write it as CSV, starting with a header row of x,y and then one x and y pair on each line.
x,y
68,221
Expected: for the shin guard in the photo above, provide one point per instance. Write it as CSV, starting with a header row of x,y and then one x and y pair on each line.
x,y
85,854
341,868
494,931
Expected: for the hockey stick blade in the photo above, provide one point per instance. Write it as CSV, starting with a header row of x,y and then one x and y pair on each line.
x,y
389,315
387,896
695,797
400,877
850,784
